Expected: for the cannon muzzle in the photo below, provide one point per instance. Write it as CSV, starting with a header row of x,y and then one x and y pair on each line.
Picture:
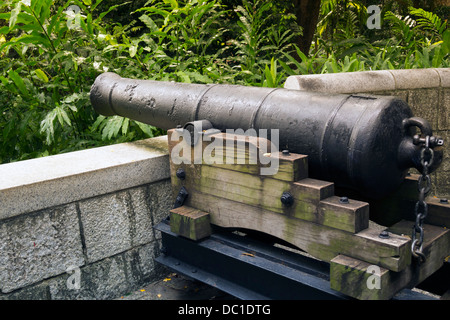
x,y
361,142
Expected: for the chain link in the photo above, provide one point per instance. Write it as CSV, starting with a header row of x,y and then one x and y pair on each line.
x,y
421,207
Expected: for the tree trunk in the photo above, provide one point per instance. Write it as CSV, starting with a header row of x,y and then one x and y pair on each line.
x,y
307,13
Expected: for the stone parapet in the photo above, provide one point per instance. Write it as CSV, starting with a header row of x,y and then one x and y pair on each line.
x,y
80,225
371,81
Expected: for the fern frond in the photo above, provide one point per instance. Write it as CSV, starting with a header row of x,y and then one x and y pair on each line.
x,y
429,21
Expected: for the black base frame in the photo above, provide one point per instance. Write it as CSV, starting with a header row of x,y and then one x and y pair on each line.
x,y
250,267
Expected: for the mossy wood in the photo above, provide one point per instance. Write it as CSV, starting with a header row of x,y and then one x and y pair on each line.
x,y
400,206
190,223
359,279
236,195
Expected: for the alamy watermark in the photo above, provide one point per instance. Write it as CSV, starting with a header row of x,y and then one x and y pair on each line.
x,y
73,13
374,280
374,19
74,280
219,151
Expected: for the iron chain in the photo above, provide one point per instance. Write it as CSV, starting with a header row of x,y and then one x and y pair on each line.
x,y
421,207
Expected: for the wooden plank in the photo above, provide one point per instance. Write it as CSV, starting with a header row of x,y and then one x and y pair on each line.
x,y
265,193
352,216
320,241
362,280
190,223
438,213
246,159
217,152
400,206
436,246
353,277
312,190
292,167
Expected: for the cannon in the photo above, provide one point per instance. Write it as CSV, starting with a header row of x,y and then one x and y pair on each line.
x,y
360,142
352,142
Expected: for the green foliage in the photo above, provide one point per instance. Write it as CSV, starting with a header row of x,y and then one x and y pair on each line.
x,y
50,58
343,43
260,30
181,38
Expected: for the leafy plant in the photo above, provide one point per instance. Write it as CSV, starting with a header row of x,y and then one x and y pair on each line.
x,y
421,40
182,36
48,65
51,52
408,38
258,35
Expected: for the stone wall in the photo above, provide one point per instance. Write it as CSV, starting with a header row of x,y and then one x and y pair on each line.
x,y
79,225
427,91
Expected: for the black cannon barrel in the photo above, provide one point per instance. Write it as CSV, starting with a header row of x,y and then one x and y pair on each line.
x,y
359,142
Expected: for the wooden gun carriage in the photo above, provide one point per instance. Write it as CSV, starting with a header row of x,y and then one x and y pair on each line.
x,y
352,234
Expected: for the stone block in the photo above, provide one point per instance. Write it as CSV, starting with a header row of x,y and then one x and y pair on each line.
x,y
117,222
64,178
407,79
160,200
442,187
106,225
424,104
444,109
101,280
401,94
346,82
445,134
109,278
141,222
34,292
444,75
38,246
442,176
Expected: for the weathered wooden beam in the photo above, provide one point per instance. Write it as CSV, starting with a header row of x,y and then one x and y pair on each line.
x,y
400,206
313,200
363,280
352,216
190,223
242,154
438,212
318,240
436,247
316,221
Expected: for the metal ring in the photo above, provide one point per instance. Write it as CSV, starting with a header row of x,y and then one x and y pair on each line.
x,y
417,253
422,157
423,214
428,183
422,124
413,248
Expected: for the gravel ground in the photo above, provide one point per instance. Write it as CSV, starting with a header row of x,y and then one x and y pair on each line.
x,y
177,287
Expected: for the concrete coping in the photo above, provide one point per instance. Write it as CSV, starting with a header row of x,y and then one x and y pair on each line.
x,y
40,183
371,81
